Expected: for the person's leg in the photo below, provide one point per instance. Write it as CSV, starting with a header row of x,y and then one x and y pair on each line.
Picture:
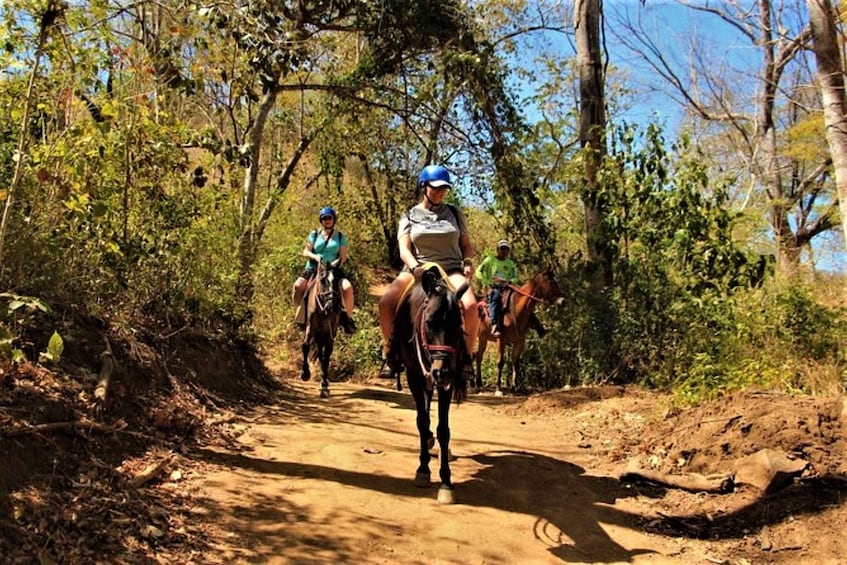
x,y
347,322
297,293
494,308
470,317
298,290
388,306
535,324
347,296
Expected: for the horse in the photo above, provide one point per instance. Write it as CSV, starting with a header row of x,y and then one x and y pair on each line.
x,y
517,319
430,343
323,309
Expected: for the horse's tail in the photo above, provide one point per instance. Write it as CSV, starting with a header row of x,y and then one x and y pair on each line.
x,y
460,389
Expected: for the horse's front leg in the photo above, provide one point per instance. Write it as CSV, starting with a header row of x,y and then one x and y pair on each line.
x,y
445,493
500,361
325,355
517,349
423,398
305,373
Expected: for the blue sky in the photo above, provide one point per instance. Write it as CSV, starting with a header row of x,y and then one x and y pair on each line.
x,y
681,35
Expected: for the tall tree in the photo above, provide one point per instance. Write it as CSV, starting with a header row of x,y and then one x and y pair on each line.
x,y
592,128
831,81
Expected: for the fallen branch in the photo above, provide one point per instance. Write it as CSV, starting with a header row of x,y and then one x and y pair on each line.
x,y
75,425
690,482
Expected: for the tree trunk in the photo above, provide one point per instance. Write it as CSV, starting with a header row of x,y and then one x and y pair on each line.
x,y
831,80
592,127
247,241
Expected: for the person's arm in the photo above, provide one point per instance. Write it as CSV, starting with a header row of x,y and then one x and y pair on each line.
x,y
307,250
406,254
514,278
467,254
342,249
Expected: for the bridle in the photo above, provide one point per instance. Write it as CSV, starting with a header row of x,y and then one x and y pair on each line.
x,y
428,352
320,302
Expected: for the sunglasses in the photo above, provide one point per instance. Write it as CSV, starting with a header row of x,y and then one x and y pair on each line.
x,y
326,218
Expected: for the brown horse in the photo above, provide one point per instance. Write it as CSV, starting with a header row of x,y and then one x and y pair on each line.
x,y
323,303
517,320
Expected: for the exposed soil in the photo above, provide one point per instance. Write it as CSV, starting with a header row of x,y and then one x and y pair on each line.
x,y
188,473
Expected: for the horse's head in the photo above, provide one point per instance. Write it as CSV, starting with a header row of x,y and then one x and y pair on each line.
x,y
441,335
330,290
547,287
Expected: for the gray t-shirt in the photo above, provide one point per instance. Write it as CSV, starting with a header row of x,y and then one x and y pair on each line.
x,y
435,234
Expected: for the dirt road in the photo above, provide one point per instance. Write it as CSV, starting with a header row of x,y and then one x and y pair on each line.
x,y
318,481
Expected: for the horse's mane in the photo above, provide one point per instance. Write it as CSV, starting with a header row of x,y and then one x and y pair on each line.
x,y
448,316
323,324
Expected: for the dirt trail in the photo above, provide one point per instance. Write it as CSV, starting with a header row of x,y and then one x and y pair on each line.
x,y
318,481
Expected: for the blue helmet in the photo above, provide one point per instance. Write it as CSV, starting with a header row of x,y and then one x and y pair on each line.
x,y
435,176
327,211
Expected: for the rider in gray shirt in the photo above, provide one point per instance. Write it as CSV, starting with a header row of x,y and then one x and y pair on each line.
x,y
435,231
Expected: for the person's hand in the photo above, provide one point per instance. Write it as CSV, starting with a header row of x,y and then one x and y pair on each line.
x,y
418,272
468,271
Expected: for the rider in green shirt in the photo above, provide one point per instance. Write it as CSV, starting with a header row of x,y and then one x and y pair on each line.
x,y
495,272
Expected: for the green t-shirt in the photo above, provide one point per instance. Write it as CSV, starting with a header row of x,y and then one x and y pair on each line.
x,y
493,268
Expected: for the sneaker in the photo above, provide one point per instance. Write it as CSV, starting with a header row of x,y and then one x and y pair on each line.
x,y
495,331
391,366
348,324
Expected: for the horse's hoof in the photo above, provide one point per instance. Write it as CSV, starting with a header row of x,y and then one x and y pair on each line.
x,y
446,495
305,377
422,480
324,393
498,392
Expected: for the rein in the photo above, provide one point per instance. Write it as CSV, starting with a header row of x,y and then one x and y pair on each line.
x,y
523,293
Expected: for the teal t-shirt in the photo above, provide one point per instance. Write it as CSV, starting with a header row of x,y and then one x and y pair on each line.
x,y
328,249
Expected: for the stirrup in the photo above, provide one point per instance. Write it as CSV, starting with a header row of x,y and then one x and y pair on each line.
x,y
391,366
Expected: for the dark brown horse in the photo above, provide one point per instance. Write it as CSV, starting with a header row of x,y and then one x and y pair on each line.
x,y
323,308
518,316
428,338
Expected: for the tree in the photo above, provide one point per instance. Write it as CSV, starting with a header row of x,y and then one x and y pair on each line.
x,y
831,82
592,128
756,123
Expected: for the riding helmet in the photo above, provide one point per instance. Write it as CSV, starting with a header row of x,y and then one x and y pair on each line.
x,y
435,176
327,211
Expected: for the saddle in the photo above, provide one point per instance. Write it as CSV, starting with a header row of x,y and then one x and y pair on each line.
x,y
411,284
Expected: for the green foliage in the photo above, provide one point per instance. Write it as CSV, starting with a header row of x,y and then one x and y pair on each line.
x,y
687,309
55,347
22,315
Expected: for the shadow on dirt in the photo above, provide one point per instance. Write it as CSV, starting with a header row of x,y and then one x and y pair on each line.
x,y
569,505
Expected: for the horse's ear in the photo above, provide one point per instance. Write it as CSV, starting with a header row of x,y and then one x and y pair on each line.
x,y
429,280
